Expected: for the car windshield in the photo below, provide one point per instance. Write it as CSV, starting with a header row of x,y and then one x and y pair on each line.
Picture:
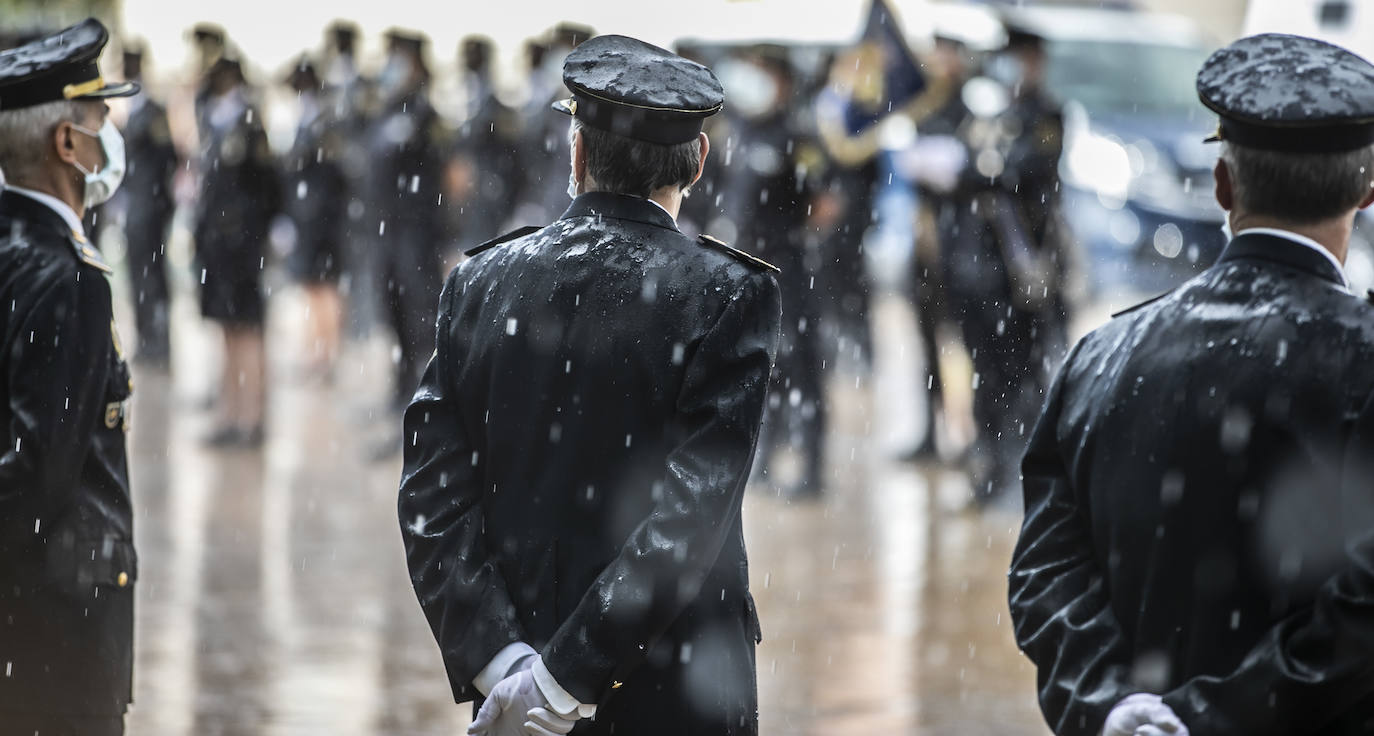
x,y
1111,77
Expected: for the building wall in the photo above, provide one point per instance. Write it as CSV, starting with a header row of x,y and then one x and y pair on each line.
x,y
1221,18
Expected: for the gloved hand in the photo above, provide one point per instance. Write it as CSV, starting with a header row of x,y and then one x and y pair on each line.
x,y
508,706
1143,714
544,722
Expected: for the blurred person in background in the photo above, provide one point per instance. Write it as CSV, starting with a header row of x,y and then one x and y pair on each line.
x,y
1196,553
209,43
67,563
240,193
406,153
351,99
766,197
317,195
1004,265
544,141
145,204
935,164
482,168
576,456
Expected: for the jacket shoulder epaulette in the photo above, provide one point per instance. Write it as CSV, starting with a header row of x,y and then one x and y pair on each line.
x,y
738,254
1145,303
512,235
88,254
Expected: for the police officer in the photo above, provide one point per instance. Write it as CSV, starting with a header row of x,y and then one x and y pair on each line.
x,y
147,203
317,194
544,142
1003,267
576,455
67,561
407,166
483,168
240,193
767,197
1196,552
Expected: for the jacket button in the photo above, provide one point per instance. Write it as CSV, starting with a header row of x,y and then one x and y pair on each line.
x,y
122,580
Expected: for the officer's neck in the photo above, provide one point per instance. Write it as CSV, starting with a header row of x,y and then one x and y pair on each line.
x,y
1332,234
57,184
669,198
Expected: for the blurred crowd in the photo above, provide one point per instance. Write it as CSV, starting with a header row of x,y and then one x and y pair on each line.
x,y
380,193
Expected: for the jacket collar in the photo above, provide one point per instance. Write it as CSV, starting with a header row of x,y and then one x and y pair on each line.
x,y
1285,252
620,207
22,207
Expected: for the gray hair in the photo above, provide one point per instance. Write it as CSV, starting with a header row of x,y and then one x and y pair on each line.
x,y
1302,188
25,133
638,168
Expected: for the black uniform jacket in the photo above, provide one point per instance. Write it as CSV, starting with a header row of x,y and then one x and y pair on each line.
x,y
66,541
147,187
1200,507
575,460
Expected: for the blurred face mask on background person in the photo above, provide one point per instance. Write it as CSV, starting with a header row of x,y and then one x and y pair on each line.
x,y
1006,69
394,75
102,181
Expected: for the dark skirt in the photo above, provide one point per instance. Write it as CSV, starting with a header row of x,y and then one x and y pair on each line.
x,y
232,294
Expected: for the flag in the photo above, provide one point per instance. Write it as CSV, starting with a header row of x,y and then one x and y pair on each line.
x,y
892,78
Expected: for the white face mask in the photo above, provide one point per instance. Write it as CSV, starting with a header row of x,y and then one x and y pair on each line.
x,y
572,185
1226,228
102,182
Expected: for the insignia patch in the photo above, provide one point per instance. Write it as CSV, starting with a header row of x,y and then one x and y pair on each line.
x,y
114,413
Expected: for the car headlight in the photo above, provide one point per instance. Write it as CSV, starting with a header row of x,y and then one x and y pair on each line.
x,y
1102,165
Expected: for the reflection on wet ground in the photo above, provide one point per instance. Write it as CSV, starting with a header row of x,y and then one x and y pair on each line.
x,y
274,597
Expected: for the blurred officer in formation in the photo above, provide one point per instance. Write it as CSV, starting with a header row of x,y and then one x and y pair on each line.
x,y
766,197
571,498
1197,548
239,195
210,43
317,194
544,143
67,562
935,163
145,204
483,169
407,169
1004,262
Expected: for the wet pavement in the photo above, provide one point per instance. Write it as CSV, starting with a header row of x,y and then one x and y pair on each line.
x,y
274,596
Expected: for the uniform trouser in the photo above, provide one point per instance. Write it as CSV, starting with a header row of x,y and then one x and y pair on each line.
x,y
148,279
1003,342
927,288
796,414
56,724
412,285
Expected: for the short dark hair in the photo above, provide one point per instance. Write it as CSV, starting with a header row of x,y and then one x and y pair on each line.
x,y
1302,188
638,168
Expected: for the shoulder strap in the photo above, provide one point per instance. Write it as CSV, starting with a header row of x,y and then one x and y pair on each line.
x,y
512,235
1145,303
87,253
752,260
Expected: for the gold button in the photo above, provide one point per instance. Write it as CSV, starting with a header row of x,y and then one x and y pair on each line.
x,y
616,685
122,580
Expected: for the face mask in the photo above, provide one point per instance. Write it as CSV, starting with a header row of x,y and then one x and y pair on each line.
x,y
1226,229
102,182
1006,69
393,75
572,186
753,93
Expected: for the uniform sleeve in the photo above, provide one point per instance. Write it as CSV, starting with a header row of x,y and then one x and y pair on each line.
x,y
462,593
57,370
1316,664
663,562
1060,608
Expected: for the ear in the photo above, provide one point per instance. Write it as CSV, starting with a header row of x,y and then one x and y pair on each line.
x,y
1225,194
579,159
705,143
64,141
1368,198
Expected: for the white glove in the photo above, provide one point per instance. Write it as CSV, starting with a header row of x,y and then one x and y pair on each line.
x,y
1143,714
508,706
544,722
